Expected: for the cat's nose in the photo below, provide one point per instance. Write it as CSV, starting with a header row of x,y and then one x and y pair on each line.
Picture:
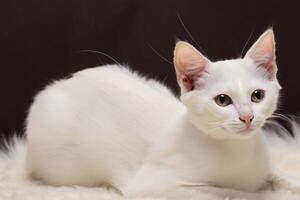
x,y
247,119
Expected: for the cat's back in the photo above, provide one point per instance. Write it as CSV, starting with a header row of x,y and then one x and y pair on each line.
x,y
103,99
105,82
95,89
75,122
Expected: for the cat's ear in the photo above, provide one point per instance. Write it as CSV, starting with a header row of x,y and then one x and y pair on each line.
x,y
189,65
263,53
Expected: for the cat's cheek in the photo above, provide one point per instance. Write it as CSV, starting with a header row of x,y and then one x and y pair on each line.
x,y
195,101
218,116
190,98
266,108
224,113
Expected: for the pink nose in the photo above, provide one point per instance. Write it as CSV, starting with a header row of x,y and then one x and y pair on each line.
x,y
247,119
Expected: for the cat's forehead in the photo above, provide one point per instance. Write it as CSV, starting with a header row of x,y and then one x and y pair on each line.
x,y
233,69
235,74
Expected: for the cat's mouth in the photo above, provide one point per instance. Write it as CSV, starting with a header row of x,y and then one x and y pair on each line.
x,y
242,130
246,130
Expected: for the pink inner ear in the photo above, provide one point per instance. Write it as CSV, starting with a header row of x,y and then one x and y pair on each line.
x,y
188,83
189,64
270,66
263,53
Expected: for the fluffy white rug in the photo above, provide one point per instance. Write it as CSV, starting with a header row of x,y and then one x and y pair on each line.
x,y
15,186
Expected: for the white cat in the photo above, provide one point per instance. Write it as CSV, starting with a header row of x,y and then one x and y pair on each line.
x,y
110,126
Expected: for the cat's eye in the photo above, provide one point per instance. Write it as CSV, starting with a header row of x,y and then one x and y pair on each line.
x,y
257,96
223,100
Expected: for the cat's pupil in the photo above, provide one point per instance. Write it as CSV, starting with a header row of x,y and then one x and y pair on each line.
x,y
222,98
257,96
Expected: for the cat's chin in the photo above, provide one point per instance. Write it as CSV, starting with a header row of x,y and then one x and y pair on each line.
x,y
233,135
244,134
246,131
238,136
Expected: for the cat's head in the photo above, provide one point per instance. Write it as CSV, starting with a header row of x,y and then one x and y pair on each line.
x,y
230,98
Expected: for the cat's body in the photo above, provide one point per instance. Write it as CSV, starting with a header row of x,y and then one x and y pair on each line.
x,y
94,136
108,126
94,139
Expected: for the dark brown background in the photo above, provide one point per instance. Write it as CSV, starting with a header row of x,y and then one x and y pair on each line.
x,y
41,41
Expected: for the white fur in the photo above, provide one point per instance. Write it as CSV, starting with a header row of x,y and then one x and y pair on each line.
x,y
95,127
14,185
108,126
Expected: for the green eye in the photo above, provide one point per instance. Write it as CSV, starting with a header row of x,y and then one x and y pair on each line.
x,y
257,96
223,100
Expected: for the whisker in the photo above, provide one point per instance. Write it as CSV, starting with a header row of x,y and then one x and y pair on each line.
x,y
280,116
247,41
213,129
166,60
256,123
189,33
214,123
225,122
274,123
101,53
